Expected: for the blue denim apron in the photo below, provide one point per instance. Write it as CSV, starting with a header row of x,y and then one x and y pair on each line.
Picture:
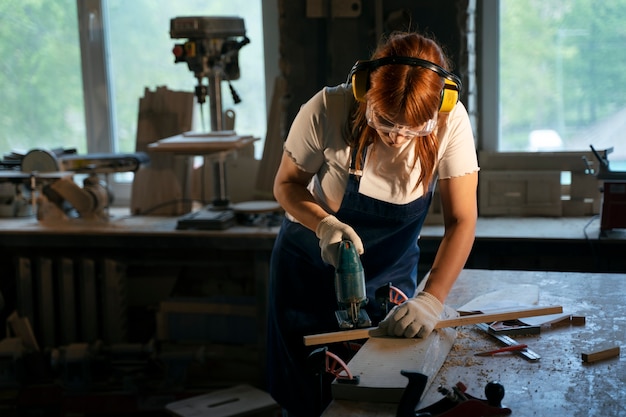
x,y
302,297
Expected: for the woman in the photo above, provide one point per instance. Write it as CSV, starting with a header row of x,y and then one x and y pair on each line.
x,y
360,163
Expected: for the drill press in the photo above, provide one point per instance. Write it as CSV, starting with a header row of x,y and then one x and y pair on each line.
x,y
211,51
350,288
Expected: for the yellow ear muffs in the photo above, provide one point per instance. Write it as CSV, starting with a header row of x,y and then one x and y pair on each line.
x,y
359,78
449,96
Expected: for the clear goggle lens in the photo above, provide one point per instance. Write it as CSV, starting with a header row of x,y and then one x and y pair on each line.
x,y
384,126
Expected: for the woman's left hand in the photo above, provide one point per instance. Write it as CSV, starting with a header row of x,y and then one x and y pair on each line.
x,y
415,317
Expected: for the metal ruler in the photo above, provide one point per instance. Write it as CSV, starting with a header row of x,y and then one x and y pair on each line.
x,y
507,341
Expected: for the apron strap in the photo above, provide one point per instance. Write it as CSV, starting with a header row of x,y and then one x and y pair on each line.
x,y
357,173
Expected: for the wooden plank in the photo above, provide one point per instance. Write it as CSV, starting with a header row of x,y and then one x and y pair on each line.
x,y
273,147
345,335
198,145
600,354
21,328
379,361
160,187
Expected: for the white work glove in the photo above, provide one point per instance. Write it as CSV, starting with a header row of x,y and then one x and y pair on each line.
x,y
331,232
417,316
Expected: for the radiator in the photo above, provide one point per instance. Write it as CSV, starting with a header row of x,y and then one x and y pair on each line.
x,y
73,300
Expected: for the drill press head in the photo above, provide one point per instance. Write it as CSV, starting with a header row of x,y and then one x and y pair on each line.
x,y
350,288
212,48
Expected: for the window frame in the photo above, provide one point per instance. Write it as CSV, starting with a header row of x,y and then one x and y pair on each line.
x,y
100,123
488,13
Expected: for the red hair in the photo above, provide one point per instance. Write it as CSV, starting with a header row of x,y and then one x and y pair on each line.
x,y
411,94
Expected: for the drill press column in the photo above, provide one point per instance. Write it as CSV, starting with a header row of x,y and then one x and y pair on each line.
x,y
212,52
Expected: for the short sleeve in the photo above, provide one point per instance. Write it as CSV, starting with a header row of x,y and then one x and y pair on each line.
x,y
304,143
457,151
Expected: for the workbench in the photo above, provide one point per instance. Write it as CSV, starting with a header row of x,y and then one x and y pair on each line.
x,y
559,384
155,258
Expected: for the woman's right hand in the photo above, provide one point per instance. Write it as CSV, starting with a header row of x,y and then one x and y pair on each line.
x,y
331,232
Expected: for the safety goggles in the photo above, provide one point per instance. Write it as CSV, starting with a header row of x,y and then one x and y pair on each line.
x,y
382,125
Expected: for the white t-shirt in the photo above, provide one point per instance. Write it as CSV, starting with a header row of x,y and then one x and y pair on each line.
x,y
317,144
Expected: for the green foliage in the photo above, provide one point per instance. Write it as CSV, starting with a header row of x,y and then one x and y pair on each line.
x,y
40,76
561,65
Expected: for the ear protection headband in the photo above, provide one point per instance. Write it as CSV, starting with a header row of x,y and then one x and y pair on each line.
x,y
359,77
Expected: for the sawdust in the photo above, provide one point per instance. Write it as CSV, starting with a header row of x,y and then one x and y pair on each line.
x,y
462,356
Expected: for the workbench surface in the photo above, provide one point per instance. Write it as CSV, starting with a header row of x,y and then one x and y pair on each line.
x,y
559,384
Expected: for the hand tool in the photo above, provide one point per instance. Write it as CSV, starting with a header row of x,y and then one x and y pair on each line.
x,y
350,288
511,348
514,327
321,362
342,336
506,340
455,403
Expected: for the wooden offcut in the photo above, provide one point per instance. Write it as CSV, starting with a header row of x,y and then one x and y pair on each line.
x,y
273,148
345,335
600,355
159,187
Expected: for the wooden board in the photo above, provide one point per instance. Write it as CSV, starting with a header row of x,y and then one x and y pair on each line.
x,y
599,355
512,314
273,147
160,187
379,362
200,144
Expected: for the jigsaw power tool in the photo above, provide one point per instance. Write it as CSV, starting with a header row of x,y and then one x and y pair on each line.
x,y
350,288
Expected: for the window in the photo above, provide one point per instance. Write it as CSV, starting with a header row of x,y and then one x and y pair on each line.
x,y
141,57
562,79
40,75
55,98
